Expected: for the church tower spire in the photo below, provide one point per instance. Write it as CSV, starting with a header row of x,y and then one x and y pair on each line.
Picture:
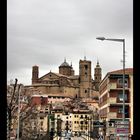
x,y
97,75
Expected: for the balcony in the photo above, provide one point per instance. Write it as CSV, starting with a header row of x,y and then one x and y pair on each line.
x,y
112,115
112,100
112,86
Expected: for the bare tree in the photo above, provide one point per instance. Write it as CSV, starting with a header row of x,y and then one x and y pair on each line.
x,y
12,108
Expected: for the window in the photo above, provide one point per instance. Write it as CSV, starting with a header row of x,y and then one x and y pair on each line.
x,y
26,123
86,74
86,67
120,110
120,83
126,83
120,97
126,112
41,123
86,122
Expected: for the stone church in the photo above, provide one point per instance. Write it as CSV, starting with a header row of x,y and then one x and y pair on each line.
x,y
66,83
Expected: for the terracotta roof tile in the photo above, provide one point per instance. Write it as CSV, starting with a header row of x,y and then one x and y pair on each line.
x,y
127,71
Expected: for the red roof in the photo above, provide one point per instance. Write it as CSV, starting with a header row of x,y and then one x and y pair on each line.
x,y
127,71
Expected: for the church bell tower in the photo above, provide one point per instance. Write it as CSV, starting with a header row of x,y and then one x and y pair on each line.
x,y
35,73
85,77
97,76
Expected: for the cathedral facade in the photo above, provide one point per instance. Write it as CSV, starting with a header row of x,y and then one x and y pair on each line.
x,y
66,83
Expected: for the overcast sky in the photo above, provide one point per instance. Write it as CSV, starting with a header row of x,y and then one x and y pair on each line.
x,y
44,32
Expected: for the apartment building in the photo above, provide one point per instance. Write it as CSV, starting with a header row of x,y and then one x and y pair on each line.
x,y
111,102
76,122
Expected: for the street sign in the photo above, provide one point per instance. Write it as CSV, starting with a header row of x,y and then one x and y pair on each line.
x,y
121,124
122,130
98,124
122,127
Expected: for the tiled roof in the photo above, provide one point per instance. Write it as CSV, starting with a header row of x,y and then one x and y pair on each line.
x,y
64,64
127,71
74,77
58,74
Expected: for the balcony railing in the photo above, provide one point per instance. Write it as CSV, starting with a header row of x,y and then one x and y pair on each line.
x,y
112,115
112,86
112,100
116,86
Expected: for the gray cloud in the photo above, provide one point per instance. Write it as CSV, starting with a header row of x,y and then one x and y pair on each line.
x,y
44,32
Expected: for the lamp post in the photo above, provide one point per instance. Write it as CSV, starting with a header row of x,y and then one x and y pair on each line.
x,y
123,41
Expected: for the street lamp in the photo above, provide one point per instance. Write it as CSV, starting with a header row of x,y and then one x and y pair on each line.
x,y
123,41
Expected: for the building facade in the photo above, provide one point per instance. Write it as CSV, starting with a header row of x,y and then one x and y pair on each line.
x,y
111,102
66,83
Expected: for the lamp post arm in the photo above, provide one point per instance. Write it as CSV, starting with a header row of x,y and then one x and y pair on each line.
x,y
112,39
